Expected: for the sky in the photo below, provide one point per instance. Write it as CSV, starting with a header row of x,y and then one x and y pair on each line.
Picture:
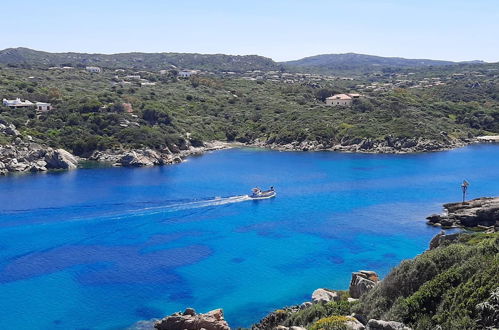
x,y
280,29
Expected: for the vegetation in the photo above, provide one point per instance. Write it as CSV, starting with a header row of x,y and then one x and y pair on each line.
x,y
454,287
26,57
91,110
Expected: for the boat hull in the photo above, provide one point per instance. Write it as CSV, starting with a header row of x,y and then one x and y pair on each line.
x,y
263,195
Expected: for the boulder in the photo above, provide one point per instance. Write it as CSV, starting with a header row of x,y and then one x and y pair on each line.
x,y
213,320
11,130
362,281
354,324
306,304
39,166
3,169
15,166
385,325
60,159
139,158
322,296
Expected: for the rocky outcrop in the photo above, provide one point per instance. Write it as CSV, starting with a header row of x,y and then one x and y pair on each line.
x,y
385,325
480,212
25,156
362,281
388,145
148,157
442,239
322,296
190,320
60,159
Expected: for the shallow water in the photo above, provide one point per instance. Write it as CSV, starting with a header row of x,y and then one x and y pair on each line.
x,y
103,248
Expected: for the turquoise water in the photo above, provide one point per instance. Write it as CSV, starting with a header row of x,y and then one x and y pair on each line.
x,y
104,248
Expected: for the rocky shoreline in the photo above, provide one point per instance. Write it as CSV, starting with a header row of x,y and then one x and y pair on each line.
x,y
23,155
390,145
477,213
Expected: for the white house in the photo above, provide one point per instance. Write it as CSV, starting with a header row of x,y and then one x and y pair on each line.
x,y
17,103
186,73
93,69
43,107
342,99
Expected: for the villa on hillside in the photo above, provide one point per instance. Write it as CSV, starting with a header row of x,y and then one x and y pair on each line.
x,y
342,99
93,69
43,107
17,103
186,73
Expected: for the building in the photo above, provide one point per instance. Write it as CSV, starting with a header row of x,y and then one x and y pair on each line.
x,y
344,100
17,103
186,73
93,69
43,107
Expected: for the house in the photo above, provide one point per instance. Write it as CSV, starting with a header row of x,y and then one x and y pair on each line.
x,y
93,69
342,99
43,107
17,103
186,73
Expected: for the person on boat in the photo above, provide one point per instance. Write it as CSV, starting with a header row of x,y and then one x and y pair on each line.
x,y
271,188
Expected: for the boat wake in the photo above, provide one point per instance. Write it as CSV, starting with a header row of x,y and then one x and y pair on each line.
x,y
217,201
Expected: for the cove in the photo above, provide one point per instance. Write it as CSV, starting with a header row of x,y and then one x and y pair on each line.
x,y
103,248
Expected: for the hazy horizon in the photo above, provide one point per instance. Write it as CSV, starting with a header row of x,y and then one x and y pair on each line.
x,y
281,30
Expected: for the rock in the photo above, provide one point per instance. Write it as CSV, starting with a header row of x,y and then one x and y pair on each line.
x,y
385,325
354,324
60,159
322,296
11,130
190,311
212,320
274,319
362,282
482,211
3,169
39,166
139,158
359,317
15,166
305,305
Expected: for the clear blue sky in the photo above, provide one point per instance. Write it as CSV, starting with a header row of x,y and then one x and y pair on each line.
x,y
282,30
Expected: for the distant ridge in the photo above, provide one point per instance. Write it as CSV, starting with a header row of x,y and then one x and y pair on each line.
x,y
362,62
326,63
213,62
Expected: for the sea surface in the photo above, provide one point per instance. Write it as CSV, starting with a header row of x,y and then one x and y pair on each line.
x,y
103,248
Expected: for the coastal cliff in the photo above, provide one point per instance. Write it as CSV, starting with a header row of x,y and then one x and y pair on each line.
x,y
453,285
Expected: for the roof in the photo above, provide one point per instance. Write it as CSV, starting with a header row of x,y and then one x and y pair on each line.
x,y
17,102
339,97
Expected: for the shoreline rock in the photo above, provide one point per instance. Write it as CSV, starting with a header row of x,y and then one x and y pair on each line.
x,y
480,212
32,157
190,320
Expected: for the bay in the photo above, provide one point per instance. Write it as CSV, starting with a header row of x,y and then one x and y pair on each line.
x,y
103,248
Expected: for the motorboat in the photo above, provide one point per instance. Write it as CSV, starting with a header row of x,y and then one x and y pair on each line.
x,y
257,193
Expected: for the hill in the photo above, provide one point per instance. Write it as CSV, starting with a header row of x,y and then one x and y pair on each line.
x,y
152,61
334,63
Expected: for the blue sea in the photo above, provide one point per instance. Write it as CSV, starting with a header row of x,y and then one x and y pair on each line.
x,y
103,248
